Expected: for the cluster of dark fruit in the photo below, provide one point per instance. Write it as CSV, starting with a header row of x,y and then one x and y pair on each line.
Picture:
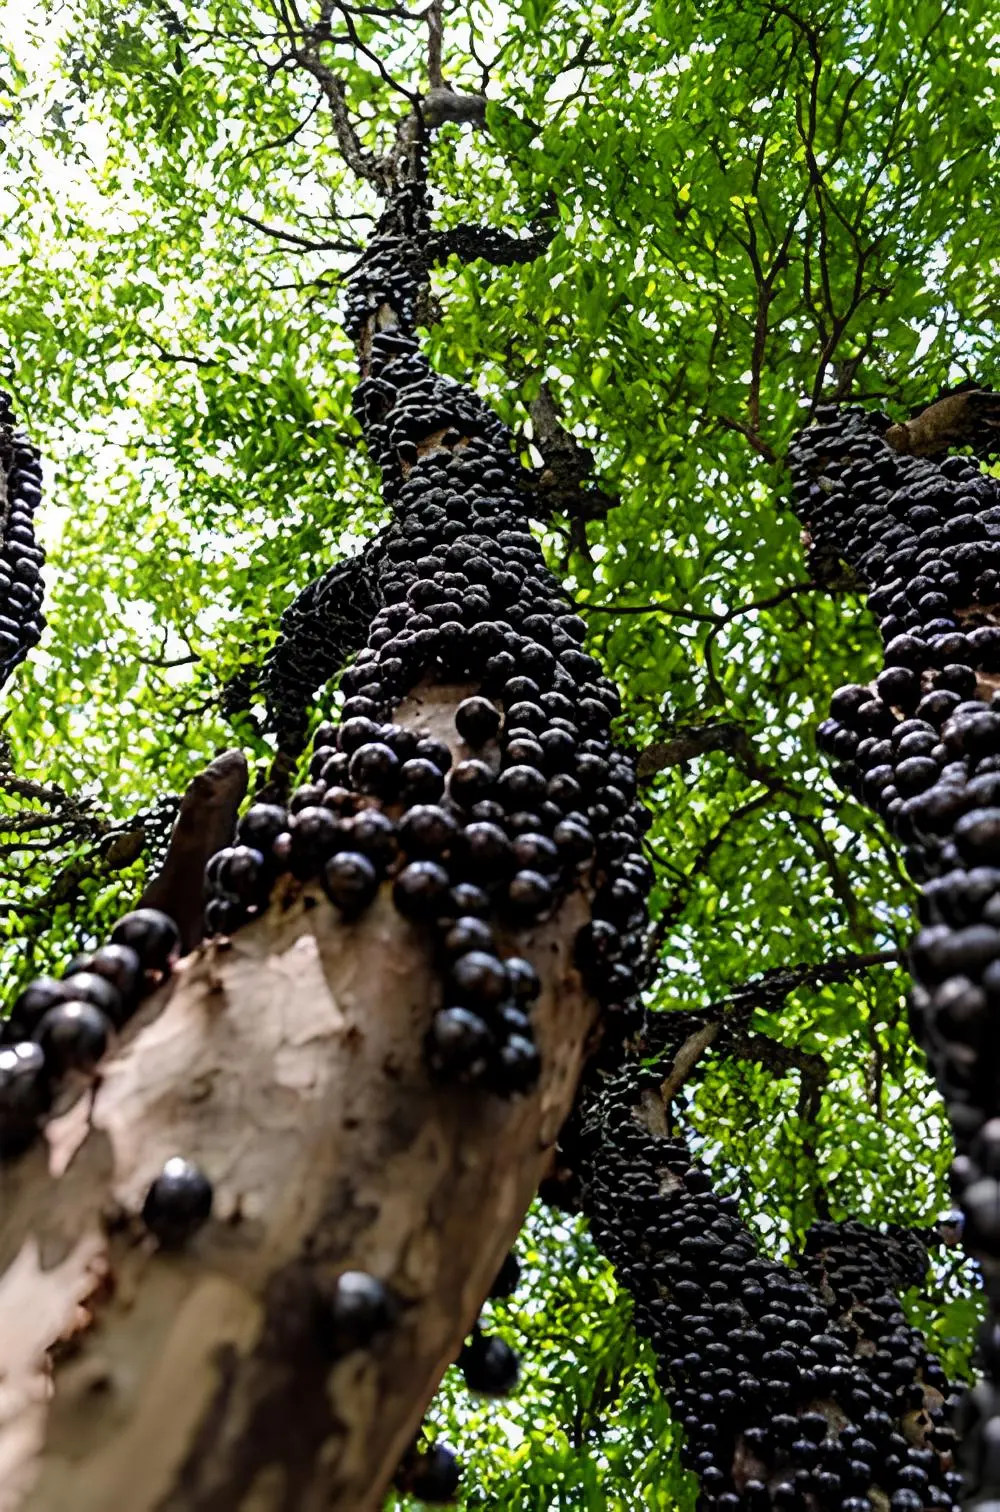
x,y
541,793
749,1351
58,1028
21,558
923,748
865,1271
320,630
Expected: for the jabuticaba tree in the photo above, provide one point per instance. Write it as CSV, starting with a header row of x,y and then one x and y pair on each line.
x,y
922,746
272,1183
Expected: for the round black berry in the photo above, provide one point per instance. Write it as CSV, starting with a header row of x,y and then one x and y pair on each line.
x,y
178,1203
360,1308
151,934
24,1095
489,1366
458,1044
350,881
421,890
73,1036
477,720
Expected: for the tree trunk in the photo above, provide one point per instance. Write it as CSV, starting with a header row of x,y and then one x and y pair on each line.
x,y
289,1061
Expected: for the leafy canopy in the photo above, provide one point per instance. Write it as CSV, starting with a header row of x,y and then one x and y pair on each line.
x,y
758,204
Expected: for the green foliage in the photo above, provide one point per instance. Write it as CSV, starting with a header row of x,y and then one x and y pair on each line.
x,y
757,204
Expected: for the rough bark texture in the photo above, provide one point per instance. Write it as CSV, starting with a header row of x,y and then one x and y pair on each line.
x,y
290,1060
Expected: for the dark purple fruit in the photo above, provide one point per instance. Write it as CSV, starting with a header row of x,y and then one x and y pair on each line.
x,y
522,979
178,1203
24,1095
360,1308
478,979
467,898
420,781
31,1005
477,720
117,964
261,825
316,835
433,1476
88,987
375,770
151,934
489,1366
421,890
73,1037
470,781
518,1065
529,895
350,881
426,830
241,875
458,1044
468,933
373,834
434,751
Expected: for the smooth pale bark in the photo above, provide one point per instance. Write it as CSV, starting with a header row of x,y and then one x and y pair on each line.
x,y
288,1064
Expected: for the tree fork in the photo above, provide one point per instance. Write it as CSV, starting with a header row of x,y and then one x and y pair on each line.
x,y
796,1388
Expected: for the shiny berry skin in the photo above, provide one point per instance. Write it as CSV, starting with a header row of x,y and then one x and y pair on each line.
x,y
316,835
521,786
88,987
529,895
119,965
478,979
178,1203
426,830
31,1005
241,874
350,881
73,1036
458,1044
477,720
261,825
485,851
420,781
489,1366
24,1095
151,934
421,890
470,781
357,732
574,842
373,834
374,769
433,1477
467,898
534,852
359,1309
468,933
434,751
